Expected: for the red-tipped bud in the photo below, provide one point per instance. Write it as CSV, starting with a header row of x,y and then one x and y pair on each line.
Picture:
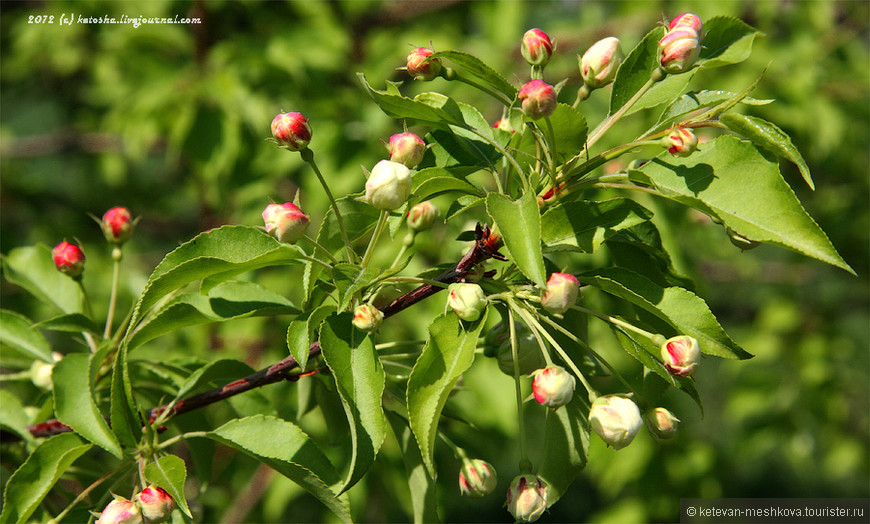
x,y
117,225
662,423
537,48
156,504
389,185
681,355
599,63
68,259
466,300
681,45
562,289
367,318
407,148
120,511
422,216
285,222
477,478
420,66
553,386
527,498
680,142
538,99
292,131
615,419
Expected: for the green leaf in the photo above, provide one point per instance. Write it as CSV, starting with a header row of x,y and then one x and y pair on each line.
x,y
123,412
169,473
358,218
687,313
12,415
635,70
474,68
301,333
519,223
585,225
569,127
566,444
664,92
74,402
731,179
228,300
71,322
284,447
32,481
212,372
359,377
727,40
426,109
15,331
448,353
421,485
32,268
770,137
694,100
225,250
458,148
350,279
439,185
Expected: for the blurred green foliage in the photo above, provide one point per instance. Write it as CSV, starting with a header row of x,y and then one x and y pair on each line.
x,y
169,120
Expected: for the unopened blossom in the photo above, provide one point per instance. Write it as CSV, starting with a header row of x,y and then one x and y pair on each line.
x,y
527,498
422,216
553,386
615,419
562,290
120,511
477,478
367,318
537,48
420,66
681,355
389,185
600,62
407,148
662,423
68,259
117,225
538,99
681,45
286,222
681,141
156,504
466,300
291,130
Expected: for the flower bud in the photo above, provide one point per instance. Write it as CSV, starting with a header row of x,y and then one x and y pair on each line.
x,y
40,371
120,511
681,355
527,498
292,131
286,222
681,45
562,289
680,142
407,148
553,386
117,225
537,47
68,259
538,99
389,185
367,318
420,66
422,216
156,504
466,300
616,420
600,62
477,478
662,423
529,356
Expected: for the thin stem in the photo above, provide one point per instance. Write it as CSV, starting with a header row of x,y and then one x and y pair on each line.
x,y
308,156
416,280
379,228
628,186
406,243
116,277
458,452
524,458
617,322
322,249
399,344
605,125
530,322
184,436
551,139
523,176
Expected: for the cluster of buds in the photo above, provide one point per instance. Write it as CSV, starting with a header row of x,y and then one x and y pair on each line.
x,y
291,131
117,224
477,478
466,300
367,318
615,419
537,48
538,99
681,355
562,290
599,63
407,148
153,504
69,259
527,498
662,423
286,222
422,216
420,66
553,387
681,45
680,141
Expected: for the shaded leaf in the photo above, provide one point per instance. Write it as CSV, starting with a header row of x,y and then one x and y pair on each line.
x,y
569,127
71,322
12,415
585,225
566,445
478,71
421,485
727,40
423,109
519,223
350,279
169,473
301,333
15,331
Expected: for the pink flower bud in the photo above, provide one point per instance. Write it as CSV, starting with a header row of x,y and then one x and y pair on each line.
x,y
286,222
600,62
389,185
538,99
477,478
562,289
68,259
156,504
680,142
529,356
117,225
615,419
681,355
422,216
420,66
466,300
662,423
367,318
527,498
553,386
407,148
120,511
292,131
681,45
537,47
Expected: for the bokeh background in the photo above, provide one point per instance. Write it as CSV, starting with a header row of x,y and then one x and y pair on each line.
x,y
170,121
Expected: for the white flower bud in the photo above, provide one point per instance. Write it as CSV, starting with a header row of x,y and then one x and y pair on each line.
x,y
467,300
389,185
615,419
553,386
